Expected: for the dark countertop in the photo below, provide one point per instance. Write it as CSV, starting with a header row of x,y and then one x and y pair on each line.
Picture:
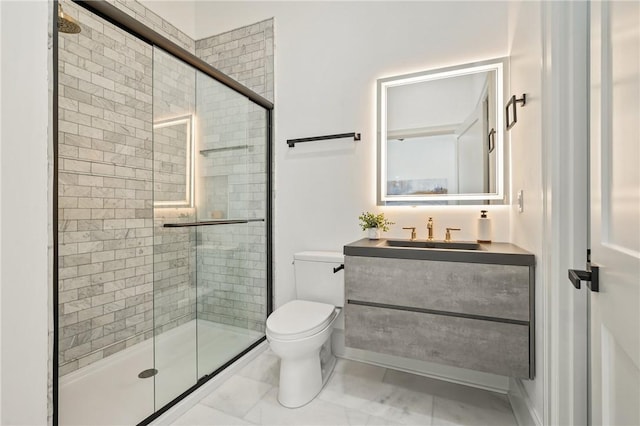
x,y
493,253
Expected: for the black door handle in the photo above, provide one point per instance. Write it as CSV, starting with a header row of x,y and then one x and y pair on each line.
x,y
575,276
338,268
590,277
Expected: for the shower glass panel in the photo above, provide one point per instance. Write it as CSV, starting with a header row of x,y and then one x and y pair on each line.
x,y
231,258
174,263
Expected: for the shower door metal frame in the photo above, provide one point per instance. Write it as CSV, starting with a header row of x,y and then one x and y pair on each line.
x,y
125,22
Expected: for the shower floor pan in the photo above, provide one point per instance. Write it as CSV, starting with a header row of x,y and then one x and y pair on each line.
x,y
109,391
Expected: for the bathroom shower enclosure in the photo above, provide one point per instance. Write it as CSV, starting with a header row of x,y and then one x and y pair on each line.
x,y
163,180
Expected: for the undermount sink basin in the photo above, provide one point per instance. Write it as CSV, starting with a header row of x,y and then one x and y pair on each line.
x,y
447,245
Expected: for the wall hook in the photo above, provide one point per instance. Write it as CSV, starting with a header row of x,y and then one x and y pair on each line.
x,y
513,101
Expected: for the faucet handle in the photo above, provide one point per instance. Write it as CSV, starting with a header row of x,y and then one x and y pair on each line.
x,y
413,232
447,236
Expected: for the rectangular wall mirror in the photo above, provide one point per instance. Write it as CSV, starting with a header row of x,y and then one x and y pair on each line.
x,y
441,136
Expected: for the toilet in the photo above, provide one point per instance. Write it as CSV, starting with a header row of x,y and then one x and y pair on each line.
x,y
299,332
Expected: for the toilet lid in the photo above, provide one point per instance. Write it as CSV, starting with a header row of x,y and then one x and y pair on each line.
x,y
298,319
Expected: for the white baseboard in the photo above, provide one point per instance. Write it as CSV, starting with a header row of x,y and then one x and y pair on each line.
x,y
521,404
190,401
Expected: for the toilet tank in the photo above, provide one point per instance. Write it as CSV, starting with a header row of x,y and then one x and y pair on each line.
x,y
315,279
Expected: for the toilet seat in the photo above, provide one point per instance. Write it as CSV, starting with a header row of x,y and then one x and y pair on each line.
x,y
299,319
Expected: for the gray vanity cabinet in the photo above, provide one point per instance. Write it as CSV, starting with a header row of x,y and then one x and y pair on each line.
x,y
471,315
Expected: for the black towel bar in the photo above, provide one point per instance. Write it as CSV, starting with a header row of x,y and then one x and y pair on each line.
x,y
293,142
513,102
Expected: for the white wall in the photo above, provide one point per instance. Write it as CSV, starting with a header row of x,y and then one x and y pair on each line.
x,y
432,157
327,59
24,214
527,228
1,37
433,103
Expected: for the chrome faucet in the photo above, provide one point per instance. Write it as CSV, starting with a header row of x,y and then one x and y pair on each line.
x,y
430,229
447,236
413,232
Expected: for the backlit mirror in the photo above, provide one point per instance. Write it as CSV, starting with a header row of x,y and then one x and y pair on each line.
x,y
440,136
173,162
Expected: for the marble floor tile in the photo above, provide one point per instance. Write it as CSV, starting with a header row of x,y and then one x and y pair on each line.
x,y
397,414
237,395
318,412
202,415
358,388
410,402
380,421
455,404
356,394
334,392
360,369
379,399
265,368
447,412
447,390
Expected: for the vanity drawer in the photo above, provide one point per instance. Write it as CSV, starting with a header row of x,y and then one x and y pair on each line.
x,y
488,290
493,347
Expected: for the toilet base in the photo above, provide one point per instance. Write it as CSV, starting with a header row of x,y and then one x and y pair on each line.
x,y
301,379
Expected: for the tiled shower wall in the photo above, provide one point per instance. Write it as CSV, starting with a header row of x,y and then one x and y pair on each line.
x,y
105,192
245,54
155,22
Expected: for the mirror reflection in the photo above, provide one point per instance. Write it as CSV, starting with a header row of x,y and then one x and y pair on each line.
x,y
441,136
173,162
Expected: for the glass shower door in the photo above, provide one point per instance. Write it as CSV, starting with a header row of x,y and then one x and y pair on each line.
x,y
174,272
161,191
231,250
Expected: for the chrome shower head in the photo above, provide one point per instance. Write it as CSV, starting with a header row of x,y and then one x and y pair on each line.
x,y
67,24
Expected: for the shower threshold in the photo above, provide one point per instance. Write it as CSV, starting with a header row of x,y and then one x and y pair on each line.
x,y
109,391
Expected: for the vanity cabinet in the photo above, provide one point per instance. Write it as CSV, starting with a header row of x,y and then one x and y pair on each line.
x,y
450,308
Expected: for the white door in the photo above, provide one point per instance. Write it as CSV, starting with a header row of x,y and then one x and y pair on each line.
x,y
615,212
